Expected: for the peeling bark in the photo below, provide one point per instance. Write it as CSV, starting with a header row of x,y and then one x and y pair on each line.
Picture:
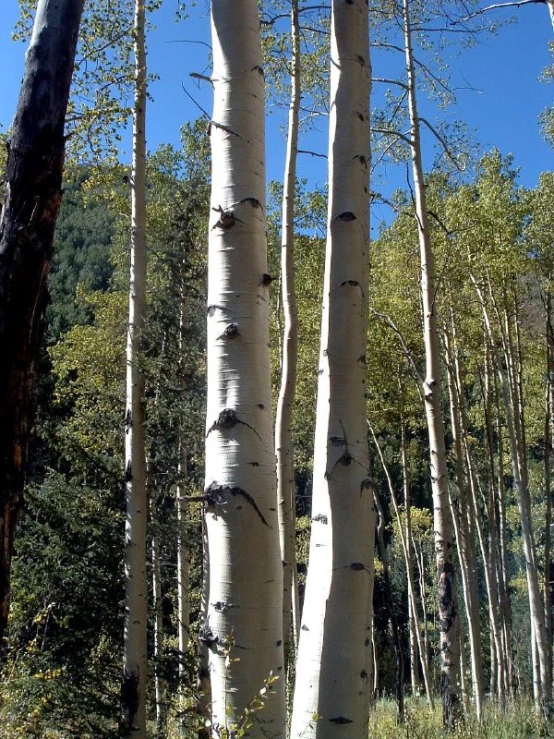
x,y
33,191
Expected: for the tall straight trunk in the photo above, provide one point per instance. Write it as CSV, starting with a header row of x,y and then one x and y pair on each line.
x,y
183,554
159,683
331,698
183,586
503,577
464,534
406,551
447,607
548,438
203,685
133,687
504,370
415,635
243,628
33,192
494,559
283,434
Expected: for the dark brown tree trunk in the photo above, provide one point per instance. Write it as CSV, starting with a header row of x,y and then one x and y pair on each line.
x,y
33,184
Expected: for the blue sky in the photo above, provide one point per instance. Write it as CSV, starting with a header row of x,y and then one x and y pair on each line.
x,y
501,102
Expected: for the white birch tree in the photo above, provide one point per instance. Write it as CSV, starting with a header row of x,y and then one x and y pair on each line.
x,y
333,669
133,687
243,629
448,612
283,421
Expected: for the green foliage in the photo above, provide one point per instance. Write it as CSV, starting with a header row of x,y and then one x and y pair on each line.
x,y
520,721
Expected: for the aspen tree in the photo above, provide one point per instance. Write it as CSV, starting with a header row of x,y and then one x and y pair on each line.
x,y
243,628
283,435
333,669
448,612
33,191
133,686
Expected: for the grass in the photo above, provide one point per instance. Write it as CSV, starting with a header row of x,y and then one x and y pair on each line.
x,y
519,721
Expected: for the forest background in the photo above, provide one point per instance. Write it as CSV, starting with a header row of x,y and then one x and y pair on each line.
x,y
84,360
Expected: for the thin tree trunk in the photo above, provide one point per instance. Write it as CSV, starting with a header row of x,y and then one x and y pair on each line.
x,y
424,653
283,433
464,535
159,683
412,607
405,545
203,686
536,606
244,625
183,586
548,422
133,687
333,667
448,612
33,192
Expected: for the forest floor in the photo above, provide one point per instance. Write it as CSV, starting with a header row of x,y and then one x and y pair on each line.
x,y
519,721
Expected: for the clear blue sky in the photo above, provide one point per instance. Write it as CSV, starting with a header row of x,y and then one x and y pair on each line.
x,y
502,107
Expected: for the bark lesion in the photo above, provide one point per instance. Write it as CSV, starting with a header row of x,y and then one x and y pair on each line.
x,y
228,419
218,495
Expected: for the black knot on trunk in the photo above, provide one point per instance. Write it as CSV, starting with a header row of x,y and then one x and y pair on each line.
x,y
320,517
231,331
267,280
346,216
226,218
357,566
226,419
341,719
346,459
207,636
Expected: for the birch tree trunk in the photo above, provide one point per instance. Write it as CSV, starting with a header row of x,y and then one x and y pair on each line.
x,y
448,612
243,629
183,594
406,551
133,687
333,670
504,371
33,192
283,435
464,535
415,635
159,683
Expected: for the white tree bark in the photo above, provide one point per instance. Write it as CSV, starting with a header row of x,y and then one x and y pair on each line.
x,y
243,629
283,435
542,686
183,588
448,612
406,551
334,660
133,689
159,683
